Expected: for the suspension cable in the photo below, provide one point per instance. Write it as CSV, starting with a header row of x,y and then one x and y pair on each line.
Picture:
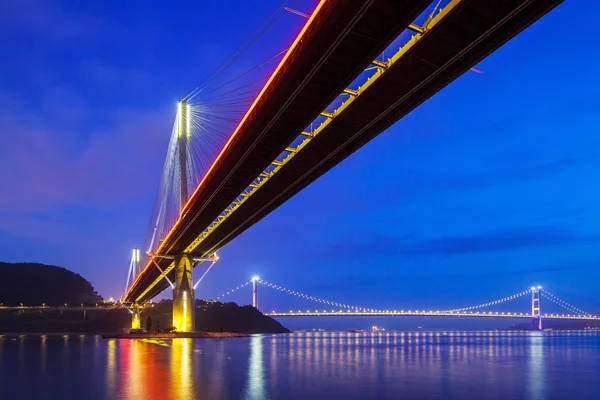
x,y
491,303
250,70
233,290
307,297
267,24
563,303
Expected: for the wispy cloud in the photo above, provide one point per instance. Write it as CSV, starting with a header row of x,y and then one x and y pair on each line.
x,y
410,275
48,168
413,186
511,175
50,21
486,242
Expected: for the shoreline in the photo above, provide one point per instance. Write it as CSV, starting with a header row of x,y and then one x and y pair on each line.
x,y
172,335
175,335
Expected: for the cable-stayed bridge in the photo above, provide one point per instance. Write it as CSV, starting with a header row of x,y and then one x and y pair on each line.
x,y
241,147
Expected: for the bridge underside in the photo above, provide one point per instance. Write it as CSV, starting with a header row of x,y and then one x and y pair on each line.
x,y
471,31
326,62
338,45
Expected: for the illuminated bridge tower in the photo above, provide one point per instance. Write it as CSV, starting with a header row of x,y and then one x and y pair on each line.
x,y
536,307
136,320
184,304
255,280
135,270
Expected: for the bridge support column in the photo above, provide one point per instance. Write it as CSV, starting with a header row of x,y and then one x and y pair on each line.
x,y
184,303
255,292
536,307
135,317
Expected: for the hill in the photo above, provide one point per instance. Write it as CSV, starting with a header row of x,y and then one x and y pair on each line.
x,y
210,317
217,317
34,284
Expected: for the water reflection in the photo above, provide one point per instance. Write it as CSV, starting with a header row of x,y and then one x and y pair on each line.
x,y
181,369
314,365
111,370
536,367
256,376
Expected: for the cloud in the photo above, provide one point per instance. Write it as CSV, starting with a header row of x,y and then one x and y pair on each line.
x,y
492,241
482,273
507,176
411,186
48,20
495,241
47,168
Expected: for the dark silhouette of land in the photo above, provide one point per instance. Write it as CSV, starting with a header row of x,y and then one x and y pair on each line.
x,y
215,317
32,284
210,317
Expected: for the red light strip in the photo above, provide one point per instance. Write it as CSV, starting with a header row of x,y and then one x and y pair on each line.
x,y
235,132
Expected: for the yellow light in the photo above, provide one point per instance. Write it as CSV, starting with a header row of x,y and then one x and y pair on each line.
x,y
184,311
179,116
188,120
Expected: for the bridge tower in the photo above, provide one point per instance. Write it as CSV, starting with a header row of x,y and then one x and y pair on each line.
x,y
135,316
134,271
184,303
536,307
136,262
255,280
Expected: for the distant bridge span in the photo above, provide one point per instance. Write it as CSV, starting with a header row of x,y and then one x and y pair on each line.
x,y
354,313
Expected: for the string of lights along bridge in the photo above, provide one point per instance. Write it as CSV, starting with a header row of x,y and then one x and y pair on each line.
x,y
242,145
537,293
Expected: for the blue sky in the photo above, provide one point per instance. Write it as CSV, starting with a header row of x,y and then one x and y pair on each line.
x,y
485,189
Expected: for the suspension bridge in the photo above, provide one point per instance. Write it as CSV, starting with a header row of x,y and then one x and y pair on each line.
x,y
336,309
241,146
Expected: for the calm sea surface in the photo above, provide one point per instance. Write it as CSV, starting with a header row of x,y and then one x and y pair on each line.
x,y
399,365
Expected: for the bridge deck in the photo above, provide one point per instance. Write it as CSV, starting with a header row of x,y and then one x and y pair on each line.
x,y
341,40
326,62
427,314
470,31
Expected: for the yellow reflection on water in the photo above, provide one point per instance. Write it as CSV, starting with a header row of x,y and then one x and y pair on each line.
x,y
181,369
111,373
135,354
43,353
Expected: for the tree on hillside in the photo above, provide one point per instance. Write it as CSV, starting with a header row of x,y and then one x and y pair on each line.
x,y
35,284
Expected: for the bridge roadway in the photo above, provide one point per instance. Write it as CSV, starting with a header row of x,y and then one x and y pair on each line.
x,y
340,313
62,308
389,313
464,33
